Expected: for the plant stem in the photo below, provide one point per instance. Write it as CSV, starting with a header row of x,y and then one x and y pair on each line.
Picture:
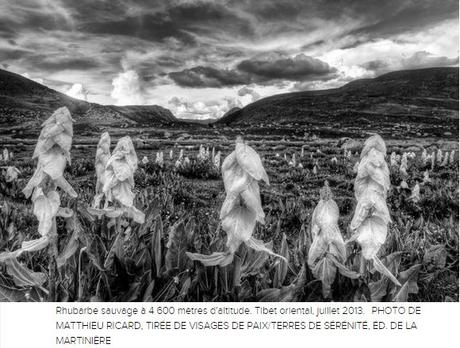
x,y
237,262
53,254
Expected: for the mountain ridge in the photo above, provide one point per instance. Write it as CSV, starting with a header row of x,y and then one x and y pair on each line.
x,y
26,101
419,95
408,93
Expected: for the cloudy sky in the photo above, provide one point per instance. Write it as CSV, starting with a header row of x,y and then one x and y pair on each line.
x,y
201,58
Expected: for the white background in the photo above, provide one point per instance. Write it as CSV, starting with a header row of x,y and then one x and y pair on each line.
x,y
33,325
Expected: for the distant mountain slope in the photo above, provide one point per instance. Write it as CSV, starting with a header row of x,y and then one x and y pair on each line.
x,y
24,101
408,94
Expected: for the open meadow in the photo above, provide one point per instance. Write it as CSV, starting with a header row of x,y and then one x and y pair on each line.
x,y
179,187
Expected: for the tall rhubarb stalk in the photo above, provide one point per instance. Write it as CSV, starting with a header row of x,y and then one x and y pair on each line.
x,y
242,209
371,217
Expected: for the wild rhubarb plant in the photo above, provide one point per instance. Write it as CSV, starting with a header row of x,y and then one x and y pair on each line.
x,y
118,183
102,157
327,252
371,217
242,209
53,153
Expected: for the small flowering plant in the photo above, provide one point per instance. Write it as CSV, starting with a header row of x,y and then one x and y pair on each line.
x,y
10,173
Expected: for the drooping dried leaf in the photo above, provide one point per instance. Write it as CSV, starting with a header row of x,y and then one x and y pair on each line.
x,y
8,294
215,259
22,276
35,244
380,267
259,245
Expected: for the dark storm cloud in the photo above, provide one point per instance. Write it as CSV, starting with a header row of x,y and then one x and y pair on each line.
x,y
70,63
301,67
151,27
201,76
11,54
221,43
6,31
418,60
157,22
257,70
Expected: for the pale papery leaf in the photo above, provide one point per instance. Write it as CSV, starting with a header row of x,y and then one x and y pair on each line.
x,y
35,244
45,208
380,267
229,161
34,181
6,255
64,185
374,142
259,245
43,145
318,249
233,175
112,212
367,183
125,150
122,171
250,161
135,214
53,162
221,259
65,213
370,204
371,234
123,194
64,141
239,225
251,199
23,276
375,168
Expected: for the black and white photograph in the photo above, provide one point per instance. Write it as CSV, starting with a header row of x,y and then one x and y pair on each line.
x,y
229,151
